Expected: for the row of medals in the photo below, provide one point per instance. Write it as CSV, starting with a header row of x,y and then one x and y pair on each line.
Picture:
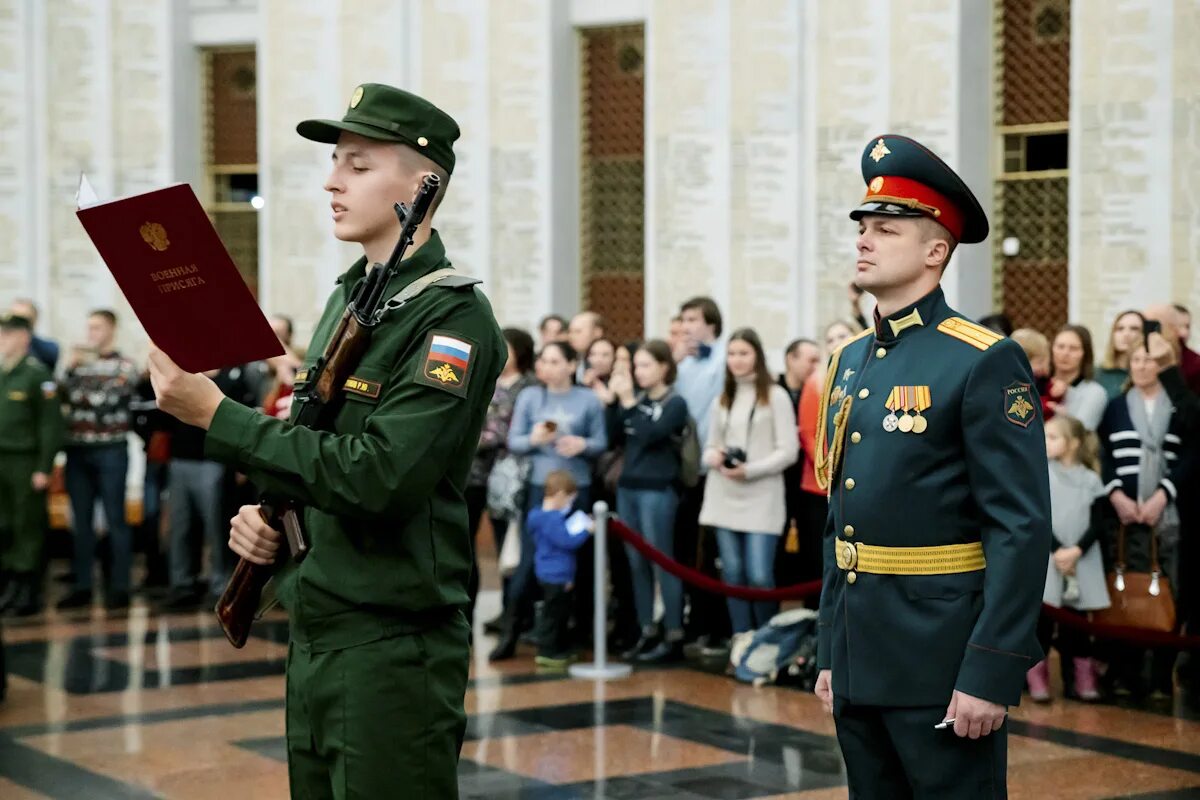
x,y
905,423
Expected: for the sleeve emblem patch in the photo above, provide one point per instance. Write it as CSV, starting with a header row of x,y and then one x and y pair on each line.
x,y
446,362
1018,404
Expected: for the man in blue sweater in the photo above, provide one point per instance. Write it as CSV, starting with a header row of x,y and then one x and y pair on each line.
x,y
557,534
701,378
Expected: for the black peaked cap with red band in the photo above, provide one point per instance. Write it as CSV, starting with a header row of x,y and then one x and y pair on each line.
x,y
904,178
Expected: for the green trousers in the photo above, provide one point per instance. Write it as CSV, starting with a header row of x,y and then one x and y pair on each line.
x,y
380,720
22,514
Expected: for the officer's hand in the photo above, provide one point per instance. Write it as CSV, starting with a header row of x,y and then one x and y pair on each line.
x,y
191,399
1160,350
1127,509
974,717
40,481
714,457
252,538
824,689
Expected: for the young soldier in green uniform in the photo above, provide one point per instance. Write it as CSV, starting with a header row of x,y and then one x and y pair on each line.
x,y
31,433
377,664
928,615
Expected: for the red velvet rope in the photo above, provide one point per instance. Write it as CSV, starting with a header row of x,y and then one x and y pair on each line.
x,y
702,581
1137,636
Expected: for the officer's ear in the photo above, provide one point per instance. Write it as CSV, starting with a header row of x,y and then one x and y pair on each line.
x,y
939,243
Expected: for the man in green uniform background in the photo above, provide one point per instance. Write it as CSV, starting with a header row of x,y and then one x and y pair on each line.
x,y
928,616
31,433
378,658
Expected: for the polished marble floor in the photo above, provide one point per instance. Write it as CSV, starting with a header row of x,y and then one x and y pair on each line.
x,y
144,705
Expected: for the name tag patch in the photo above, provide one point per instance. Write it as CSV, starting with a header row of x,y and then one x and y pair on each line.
x,y
446,362
17,396
362,387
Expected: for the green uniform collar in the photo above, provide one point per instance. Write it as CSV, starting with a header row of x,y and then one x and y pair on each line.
x,y
429,256
929,309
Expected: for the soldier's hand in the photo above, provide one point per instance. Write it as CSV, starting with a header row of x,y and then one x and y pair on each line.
x,y
190,398
974,717
40,481
824,689
252,538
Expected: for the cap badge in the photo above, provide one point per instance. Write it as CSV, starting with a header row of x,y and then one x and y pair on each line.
x,y
358,95
879,151
876,182
421,140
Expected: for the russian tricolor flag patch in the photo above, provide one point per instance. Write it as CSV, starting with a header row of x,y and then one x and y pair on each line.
x,y
446,362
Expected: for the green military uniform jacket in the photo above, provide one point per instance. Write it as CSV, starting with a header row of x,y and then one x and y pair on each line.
x,y
976,472
31,419
383,490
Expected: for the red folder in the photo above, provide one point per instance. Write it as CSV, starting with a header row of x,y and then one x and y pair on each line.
x,y
168,260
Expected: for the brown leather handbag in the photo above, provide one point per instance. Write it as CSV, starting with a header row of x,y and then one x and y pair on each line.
x,y
1139,599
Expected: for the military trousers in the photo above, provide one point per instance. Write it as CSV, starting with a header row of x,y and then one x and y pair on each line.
x,y
382,719
22,514
895,753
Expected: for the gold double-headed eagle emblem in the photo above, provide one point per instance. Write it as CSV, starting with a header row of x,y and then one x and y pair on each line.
x,y
1021,407
154,235
444,373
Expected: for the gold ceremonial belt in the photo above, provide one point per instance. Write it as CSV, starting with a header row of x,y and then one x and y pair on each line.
x,y
941,560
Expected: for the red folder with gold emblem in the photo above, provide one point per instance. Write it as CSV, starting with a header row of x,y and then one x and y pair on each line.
x,y
168,260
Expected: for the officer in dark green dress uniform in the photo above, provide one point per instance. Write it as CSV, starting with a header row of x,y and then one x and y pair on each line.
x,y
377,663
939,515
31,433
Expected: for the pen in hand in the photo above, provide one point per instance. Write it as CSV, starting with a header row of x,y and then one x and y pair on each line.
x,y
947,723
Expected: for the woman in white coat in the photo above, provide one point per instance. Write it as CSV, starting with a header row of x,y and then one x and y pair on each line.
x,y
751,441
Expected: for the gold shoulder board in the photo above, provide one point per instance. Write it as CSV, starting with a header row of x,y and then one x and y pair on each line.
x,y
966,331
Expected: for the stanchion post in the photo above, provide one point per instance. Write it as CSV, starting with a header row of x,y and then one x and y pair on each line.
x,y
599,668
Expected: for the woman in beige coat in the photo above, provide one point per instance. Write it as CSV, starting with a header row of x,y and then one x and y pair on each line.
x,y
751,440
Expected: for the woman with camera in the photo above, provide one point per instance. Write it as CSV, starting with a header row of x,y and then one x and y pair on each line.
x,y
751,441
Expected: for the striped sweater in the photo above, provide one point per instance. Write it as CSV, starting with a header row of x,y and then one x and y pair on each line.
x,y
1121,450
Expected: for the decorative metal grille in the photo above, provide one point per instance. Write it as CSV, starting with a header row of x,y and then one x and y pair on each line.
x,y
231,154
233,106
1033,49
612,194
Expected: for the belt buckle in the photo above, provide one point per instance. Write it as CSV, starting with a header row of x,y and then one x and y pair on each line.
x,y
847,555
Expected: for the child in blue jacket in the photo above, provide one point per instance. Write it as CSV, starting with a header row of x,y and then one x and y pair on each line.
x,y
557,533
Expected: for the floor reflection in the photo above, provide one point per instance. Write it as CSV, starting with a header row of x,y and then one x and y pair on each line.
x,y
147,705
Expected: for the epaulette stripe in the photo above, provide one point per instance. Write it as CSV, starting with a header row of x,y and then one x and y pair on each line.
x,y
966,325
979,330
963,331
969,339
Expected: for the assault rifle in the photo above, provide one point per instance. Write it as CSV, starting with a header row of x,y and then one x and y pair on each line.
x,y
315,405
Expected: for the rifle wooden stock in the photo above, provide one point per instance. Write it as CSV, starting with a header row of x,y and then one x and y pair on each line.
x,y
239,602
238,605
